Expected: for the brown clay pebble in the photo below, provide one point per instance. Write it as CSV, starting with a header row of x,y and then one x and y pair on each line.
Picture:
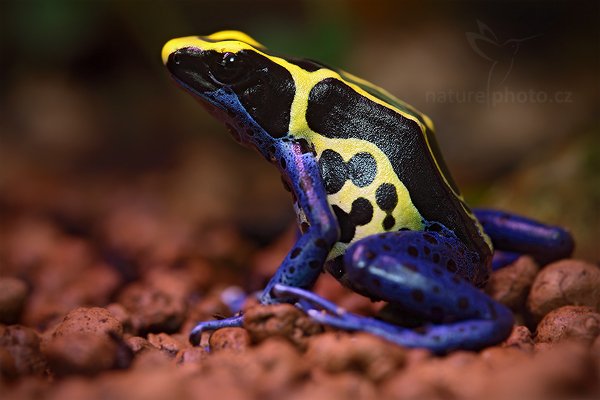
x,y
23,345
281,366
234,339
510,285
459,375
88,240
80,353
12,298
521,338
138,344
282,320
122,315
166,343
563,371
151,309
335,352
191,355
565,282
151,359
500,358
345,385
578,323
93,321
8,369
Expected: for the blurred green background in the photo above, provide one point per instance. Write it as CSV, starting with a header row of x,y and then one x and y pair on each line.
x,y
89,119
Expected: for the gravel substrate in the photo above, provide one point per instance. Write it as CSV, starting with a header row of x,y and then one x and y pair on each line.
x,y
106,314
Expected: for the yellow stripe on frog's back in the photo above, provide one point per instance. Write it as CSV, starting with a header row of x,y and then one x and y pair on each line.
x,y
405,213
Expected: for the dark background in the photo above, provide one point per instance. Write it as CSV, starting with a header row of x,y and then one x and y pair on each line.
x,y
89,119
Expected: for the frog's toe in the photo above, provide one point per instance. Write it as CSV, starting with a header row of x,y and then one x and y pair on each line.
x,y
206,326
517,234
306,300
503,258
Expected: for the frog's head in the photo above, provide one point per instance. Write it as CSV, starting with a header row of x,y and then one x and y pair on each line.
x,y
235,76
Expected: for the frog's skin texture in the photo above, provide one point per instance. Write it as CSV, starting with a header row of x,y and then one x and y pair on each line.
x,y
376,204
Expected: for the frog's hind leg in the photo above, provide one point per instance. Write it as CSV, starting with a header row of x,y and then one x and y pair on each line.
x,y
426,274
513,235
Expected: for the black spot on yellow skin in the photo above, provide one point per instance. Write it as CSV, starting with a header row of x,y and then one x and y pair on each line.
x,y
388,222
333,171
314,264
360,214
296,252
463,303
320,242
386,196
347,227
435,258
362,211
362,169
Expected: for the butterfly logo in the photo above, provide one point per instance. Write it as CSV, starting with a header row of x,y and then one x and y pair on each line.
x,y
500,54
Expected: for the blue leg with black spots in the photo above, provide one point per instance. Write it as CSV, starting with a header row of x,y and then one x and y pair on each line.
x,y
519,235
304,263
424,273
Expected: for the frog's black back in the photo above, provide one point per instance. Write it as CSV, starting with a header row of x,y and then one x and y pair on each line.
x,y
337,111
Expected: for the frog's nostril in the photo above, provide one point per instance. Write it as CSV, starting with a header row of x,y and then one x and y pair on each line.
x,y
176,58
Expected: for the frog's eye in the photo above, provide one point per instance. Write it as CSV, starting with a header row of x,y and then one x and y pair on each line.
x,y
228,69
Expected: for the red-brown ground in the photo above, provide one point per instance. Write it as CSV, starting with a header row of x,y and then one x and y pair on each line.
x,y
97,298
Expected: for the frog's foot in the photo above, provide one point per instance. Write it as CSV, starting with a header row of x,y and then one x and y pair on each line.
x,y
206,326
515,234
470,334
426,274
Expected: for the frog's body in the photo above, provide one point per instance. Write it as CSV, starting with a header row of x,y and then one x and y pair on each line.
x,y
375,201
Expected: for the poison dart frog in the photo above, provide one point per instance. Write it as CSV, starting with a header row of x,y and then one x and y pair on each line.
x,y
375,202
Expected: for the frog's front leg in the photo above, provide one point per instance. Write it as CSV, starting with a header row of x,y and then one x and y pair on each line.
x,y
513,235
304,263
422,273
